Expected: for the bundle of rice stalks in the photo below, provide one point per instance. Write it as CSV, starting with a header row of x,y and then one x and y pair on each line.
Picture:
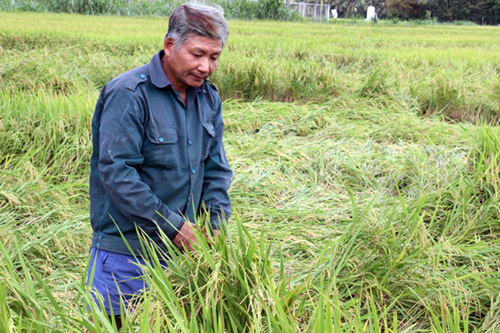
x,y
228,284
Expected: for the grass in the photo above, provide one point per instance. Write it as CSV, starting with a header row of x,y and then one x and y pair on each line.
x,y
437,69
262,9
365,188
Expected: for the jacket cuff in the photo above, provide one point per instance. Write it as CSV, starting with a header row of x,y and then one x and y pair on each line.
x,y
172,225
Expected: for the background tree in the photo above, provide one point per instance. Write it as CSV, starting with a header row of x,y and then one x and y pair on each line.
x,y
478,11
403,9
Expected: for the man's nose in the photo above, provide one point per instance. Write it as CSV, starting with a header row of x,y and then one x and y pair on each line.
x,y
203,65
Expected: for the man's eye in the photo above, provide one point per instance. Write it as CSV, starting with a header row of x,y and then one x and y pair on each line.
x,y
197,55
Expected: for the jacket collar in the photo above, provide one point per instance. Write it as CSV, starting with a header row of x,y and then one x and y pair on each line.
x,y
156,72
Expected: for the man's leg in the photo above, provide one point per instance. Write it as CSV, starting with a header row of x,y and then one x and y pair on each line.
x,y
114,277
118,321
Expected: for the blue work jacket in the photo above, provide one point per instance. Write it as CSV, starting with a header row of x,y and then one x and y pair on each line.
x,y
155,159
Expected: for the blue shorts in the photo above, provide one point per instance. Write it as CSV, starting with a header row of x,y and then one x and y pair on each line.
x,y
116,276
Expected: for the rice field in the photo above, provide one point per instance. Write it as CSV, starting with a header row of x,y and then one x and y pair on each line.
x,y
366,178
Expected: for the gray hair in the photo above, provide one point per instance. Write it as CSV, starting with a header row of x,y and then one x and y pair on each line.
x,y
201,20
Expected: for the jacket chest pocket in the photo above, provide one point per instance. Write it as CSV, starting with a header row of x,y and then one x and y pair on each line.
x,y
161,146
208,135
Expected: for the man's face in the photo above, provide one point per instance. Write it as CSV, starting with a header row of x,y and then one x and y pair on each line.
x,y
192,62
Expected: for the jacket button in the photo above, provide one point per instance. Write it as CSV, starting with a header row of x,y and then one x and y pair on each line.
x,y
100,237
142,76
190,142
213,133
98,244
160,139
193,170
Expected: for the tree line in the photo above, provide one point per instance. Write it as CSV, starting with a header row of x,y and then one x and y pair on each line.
x,y
477,11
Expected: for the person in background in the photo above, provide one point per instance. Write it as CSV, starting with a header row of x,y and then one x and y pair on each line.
x,y
158,157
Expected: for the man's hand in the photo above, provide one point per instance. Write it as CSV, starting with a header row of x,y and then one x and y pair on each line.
x,y
185,239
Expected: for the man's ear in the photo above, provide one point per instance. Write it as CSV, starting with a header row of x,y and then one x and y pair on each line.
x,y
168,46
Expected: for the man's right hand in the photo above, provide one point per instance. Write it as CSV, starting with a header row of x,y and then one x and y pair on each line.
x,y
185,239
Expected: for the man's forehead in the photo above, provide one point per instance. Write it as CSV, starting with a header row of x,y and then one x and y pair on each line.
x,y
206,49
204,44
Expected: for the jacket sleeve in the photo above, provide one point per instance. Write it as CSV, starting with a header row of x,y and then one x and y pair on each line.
x,y
218,176
122,132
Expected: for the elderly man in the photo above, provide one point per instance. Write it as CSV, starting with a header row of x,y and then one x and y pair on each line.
x,y
158,156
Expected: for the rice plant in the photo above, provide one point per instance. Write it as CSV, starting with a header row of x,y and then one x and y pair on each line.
x,y
365,188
